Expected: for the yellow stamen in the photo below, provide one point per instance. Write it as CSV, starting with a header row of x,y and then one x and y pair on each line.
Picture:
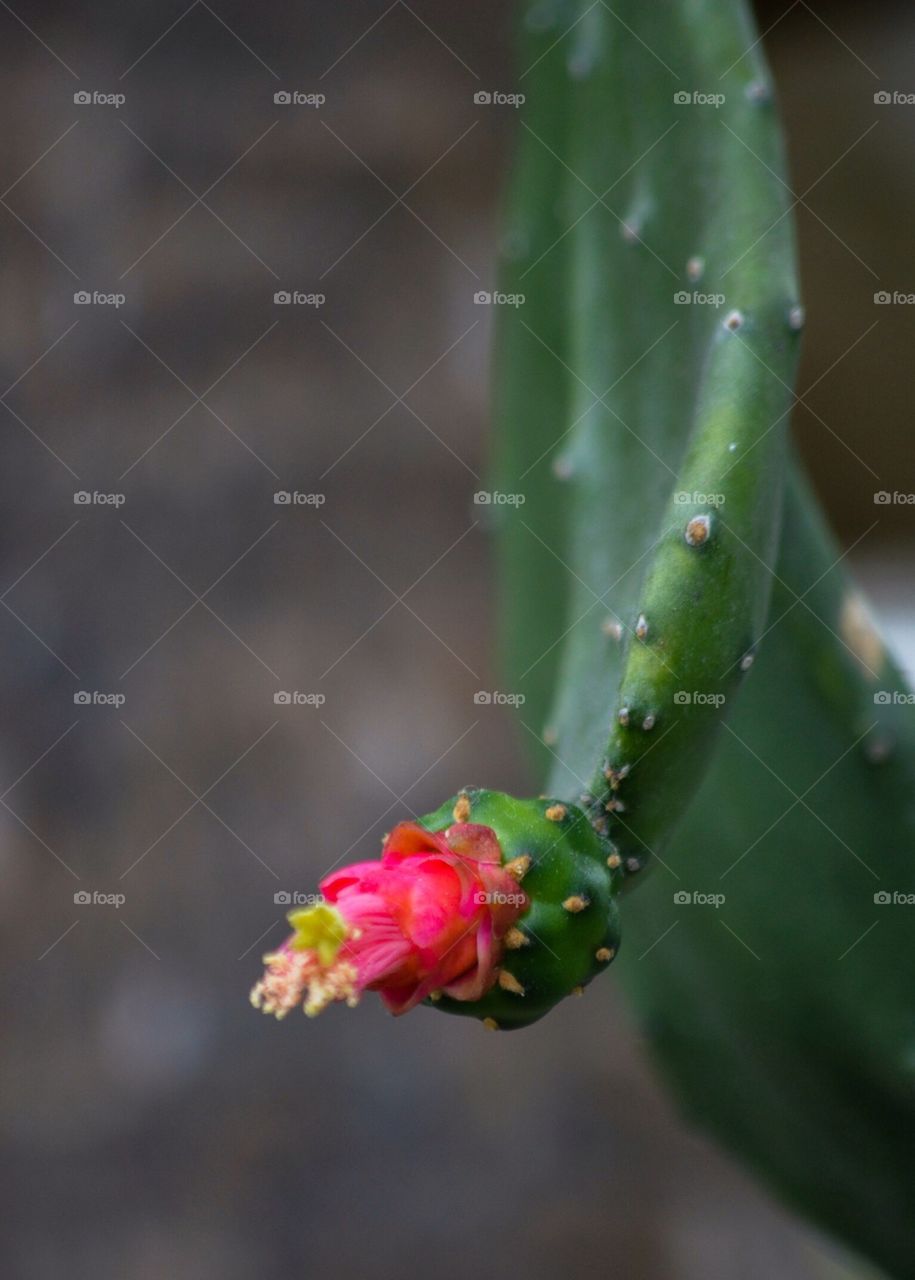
x,y
321,929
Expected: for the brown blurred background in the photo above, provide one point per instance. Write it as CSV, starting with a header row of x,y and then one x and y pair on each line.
x,y
153,1124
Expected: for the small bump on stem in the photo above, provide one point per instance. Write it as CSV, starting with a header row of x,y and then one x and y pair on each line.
x,y
611,628
518,867
508,982
796,318
747,661
461,811
604,954
623,716
695,268
515,939
577,991
616,776
733,321
614,861
641,627
490,1024
575,903
697,530
650,721
556,813
878,750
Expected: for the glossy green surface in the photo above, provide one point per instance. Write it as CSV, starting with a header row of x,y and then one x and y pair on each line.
x,y
784,1014
568,861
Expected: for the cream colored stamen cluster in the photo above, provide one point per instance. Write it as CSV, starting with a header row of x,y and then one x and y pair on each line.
x,y
298,978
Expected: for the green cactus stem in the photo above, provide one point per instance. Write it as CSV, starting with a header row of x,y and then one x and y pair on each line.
x,y
570,931
785,1018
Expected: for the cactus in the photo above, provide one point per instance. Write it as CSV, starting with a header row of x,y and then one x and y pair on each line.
x,y
492,907
786,1022
569,931
695,660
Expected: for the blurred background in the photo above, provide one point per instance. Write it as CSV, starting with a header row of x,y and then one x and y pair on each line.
x,y
156,598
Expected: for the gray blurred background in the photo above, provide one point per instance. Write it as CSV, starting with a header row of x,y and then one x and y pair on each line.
x,y
154,1125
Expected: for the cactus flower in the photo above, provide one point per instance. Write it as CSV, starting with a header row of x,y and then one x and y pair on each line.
x,y
428,918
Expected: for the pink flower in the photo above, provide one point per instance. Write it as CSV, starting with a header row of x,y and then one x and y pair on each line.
x,y
429,917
